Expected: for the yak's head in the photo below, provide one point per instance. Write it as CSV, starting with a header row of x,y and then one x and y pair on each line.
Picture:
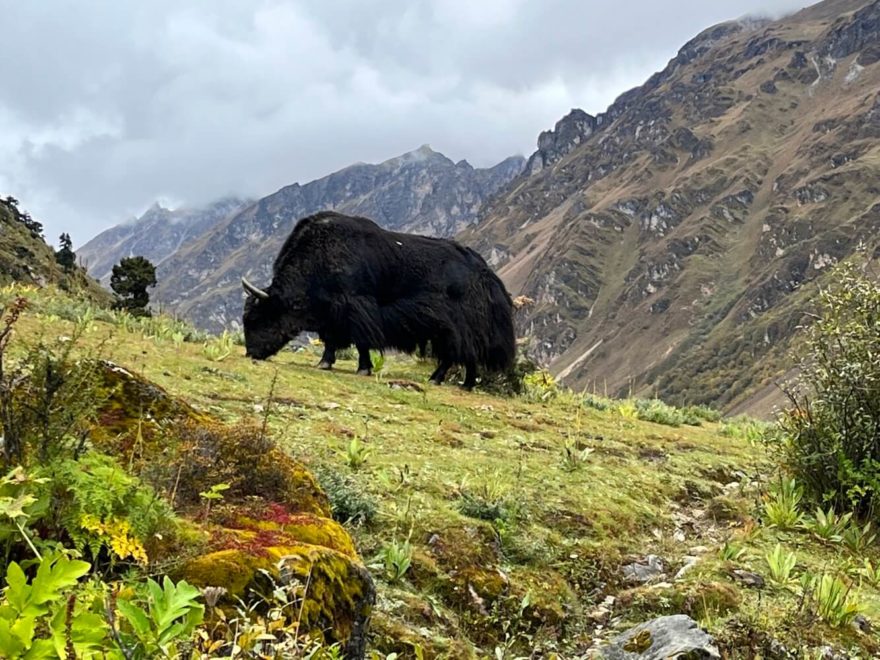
x,y
267,323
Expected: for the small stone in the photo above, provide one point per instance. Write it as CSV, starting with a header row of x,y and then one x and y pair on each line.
x,y
649,569
329,405
747,578
679,536
861,623
602,613
689,563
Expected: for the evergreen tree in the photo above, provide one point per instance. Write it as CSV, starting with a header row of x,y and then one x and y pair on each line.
x,y
65,256
35,228
130,279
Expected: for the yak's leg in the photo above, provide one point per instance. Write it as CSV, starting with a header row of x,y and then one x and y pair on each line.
x,y
365,363
439,374
470,376
328,358
423,349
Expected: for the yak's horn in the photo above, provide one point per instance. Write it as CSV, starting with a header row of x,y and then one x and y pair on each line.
x,y
254,291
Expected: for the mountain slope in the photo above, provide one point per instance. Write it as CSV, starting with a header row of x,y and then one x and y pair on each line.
x,y
421,191
25,257
156,235
670,242
521,523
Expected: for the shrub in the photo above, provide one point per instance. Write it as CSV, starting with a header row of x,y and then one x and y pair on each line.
x,y
780,564
658,412
35,620
702,413
574,456
744,428
731,551
830,431
597,402
349,503
487,501
828,525
356,453
219,348
395,560
48,400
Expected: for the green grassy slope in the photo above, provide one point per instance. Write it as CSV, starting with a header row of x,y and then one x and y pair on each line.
x,y
26,258
496,513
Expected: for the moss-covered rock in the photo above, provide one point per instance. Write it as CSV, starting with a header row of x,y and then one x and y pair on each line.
x,y
391,635
338,590
262,524
273,519
698,599
134,409
244,458
184,452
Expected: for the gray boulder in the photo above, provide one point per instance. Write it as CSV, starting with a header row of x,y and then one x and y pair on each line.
x,y
667,638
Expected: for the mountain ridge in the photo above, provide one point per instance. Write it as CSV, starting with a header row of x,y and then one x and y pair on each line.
x,y
686,221
156,234
421,191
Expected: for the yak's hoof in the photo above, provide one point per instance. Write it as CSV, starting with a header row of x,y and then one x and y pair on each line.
x,y
324,365
365,372
435,381
468,387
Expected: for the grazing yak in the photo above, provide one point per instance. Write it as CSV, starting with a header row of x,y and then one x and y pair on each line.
x,y
353,282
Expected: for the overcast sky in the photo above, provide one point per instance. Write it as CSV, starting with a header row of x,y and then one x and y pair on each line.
x,y
106,107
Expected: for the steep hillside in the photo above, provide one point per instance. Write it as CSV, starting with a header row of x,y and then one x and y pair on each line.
x,y
671,242
156,235
25,257
421,191
536,525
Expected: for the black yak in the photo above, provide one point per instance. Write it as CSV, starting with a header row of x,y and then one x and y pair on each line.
x,y
353,282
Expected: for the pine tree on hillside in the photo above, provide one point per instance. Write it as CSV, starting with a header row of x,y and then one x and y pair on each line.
x,y
130,279
35,228
65,256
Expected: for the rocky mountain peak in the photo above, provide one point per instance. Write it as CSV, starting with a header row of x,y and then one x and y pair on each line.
x,y
569,132
156,234
201,255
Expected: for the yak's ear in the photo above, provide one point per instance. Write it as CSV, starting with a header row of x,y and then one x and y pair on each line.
x,y
253,291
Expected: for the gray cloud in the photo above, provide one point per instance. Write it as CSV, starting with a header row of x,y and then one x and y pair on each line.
x,y
107,106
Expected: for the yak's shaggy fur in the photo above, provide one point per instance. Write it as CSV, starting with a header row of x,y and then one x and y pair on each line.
x,y
353,282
